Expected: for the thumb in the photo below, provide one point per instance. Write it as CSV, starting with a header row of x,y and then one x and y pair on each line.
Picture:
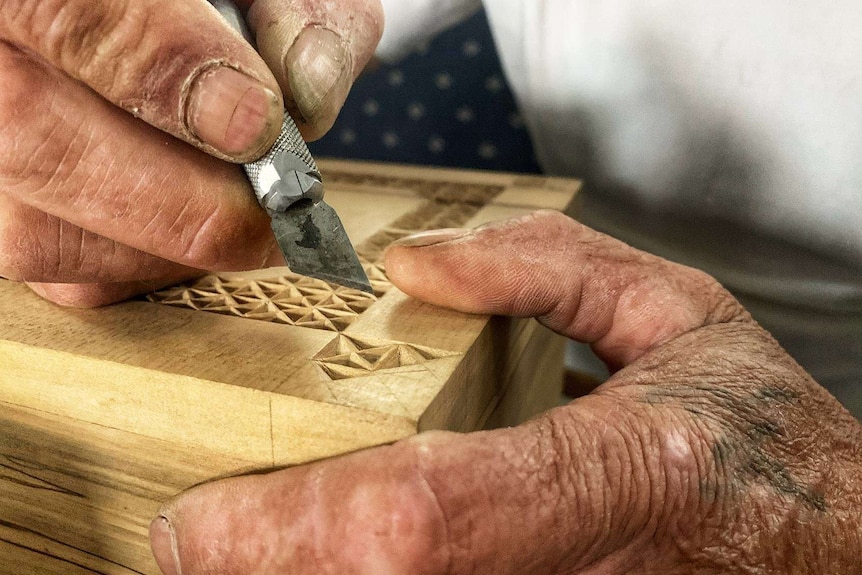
x,y
521,500
580,283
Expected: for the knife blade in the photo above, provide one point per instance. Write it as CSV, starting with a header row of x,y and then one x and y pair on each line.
x,y
288,184
309,233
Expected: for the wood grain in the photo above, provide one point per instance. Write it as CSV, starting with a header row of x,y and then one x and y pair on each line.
x,y
107,413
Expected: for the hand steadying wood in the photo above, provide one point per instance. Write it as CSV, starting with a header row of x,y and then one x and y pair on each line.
x,y
708,451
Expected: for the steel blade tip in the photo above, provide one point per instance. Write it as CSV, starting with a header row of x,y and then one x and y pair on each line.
x,y
313,241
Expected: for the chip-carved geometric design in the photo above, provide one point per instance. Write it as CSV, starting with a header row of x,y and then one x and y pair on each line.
x,y
290,299
297,300
348,357
377,277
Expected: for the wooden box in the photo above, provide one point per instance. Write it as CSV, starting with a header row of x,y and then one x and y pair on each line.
x,y
107,413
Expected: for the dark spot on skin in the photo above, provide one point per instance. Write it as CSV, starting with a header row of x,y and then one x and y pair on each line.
x,y
764,429
721,452
777,394
695,411
744,452
776,474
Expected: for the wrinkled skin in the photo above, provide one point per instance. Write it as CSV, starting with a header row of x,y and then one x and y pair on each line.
x,y
708,451
115,116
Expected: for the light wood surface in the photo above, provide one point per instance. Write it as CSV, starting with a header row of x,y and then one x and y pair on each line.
x,y
107,413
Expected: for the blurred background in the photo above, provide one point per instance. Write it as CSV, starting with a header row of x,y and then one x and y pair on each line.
x,y
448,104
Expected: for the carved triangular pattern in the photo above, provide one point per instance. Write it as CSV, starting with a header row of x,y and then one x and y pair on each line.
x,y
290,299
348,357
301,301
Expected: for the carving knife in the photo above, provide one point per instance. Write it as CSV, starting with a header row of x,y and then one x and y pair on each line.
x,y
288,185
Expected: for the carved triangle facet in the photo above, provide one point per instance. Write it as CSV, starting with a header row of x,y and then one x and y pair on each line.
x,y
290,299
347,356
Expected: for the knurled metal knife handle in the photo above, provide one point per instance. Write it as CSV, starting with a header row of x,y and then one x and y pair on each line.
x,y
287,184
287,173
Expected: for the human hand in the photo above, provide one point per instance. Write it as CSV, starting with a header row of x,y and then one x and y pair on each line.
x,y
708,451
101,195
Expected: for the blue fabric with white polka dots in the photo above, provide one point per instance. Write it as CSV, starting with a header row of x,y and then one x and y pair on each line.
x,y
447,104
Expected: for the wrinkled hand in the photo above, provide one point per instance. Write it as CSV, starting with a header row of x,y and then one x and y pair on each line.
x,y
100,100
708,451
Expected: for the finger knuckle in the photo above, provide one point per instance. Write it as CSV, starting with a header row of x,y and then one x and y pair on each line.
x,y
21,258
115,47
437,512
551,470
555,454
720,305
37,247
73,33
37,145
370,24
578,490
220,236
102,43
47,170
18,109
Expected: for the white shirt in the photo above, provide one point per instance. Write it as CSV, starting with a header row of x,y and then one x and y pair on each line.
x,y
745,110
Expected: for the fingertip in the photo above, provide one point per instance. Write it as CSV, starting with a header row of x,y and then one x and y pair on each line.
x,y
164,546
316,52
398,262
456,266
318,73
431,237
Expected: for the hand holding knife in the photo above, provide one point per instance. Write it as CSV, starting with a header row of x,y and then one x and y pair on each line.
x,y
288,185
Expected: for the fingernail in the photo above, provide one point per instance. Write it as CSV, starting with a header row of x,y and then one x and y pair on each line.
x,y
164,546
319,69
430,238
233,112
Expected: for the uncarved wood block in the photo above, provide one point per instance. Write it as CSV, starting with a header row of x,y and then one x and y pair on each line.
x,y
107,413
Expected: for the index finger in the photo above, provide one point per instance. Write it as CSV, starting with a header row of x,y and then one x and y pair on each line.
x,y
176,65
